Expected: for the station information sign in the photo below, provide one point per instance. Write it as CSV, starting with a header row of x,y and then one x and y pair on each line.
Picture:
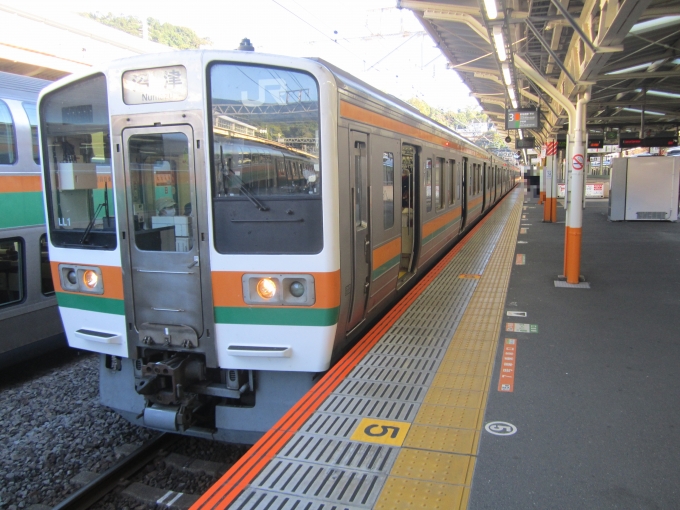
x,y
528,142
522,118
595,143
655,141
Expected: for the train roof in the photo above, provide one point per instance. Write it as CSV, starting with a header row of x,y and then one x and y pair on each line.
x,y
352,83
14,86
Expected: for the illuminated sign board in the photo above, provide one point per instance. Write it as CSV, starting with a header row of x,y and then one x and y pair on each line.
x,y
561,142
595,143
522,118
654,141
529,142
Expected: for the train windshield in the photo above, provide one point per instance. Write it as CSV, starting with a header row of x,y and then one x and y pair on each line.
x,y
265,124
265,159
77,153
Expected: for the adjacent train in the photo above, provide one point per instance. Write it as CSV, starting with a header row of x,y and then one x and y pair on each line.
x,y
29,317
223,225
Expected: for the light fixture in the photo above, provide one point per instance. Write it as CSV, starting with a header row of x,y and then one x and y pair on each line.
x,y
266,288
511,93
507,77
499,42
514,103
90,279
491,10
521,135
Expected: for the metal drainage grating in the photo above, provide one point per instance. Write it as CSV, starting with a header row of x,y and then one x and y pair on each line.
x,y
328,424
383,390
315,481
370,407
255,500
392,375
341,453
398,362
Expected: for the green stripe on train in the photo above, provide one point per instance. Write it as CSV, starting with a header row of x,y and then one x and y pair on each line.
x,y
21,209
271,316
91,303
378,272
440,230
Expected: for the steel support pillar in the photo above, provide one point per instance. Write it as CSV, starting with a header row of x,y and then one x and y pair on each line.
x,y
572,262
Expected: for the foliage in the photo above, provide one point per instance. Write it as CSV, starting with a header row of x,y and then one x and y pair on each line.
x,y
164,33
464,120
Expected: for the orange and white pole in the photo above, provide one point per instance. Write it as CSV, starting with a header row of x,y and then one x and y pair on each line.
x,y
575,212
550,208
555,163
541,183
547,177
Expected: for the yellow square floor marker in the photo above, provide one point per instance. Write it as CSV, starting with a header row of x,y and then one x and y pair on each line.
x,y
470,276
371,430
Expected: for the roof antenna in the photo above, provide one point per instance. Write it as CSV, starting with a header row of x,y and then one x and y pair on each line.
x,y
245,45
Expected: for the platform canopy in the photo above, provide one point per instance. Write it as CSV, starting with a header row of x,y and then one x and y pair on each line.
x,y
627,52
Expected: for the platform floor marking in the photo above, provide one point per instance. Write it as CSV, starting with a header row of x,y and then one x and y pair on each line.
x,y
523,230
520,259
517,327
506,379
371,430
451,417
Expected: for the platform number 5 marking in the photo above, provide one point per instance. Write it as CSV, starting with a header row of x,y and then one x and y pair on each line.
x,y
372,430
383,431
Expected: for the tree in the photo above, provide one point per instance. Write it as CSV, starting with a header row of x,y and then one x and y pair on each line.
x,y
164,33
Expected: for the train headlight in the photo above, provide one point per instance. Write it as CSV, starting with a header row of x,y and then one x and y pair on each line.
x,y
266,288
297,289
90,279
72,277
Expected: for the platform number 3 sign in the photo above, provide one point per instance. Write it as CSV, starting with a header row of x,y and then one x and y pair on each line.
x,y
386,432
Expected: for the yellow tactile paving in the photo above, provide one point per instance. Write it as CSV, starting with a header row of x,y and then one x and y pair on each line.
x,y
435,466
447,416
440,439
457,398
432,466
404,493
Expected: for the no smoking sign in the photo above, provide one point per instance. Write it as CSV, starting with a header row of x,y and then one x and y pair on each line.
x,y
577,162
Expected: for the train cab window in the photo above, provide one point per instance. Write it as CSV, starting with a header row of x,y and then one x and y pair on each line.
x,y
11,271
29,108
439,183
265,160
8,148
428,184
46,283
388,190
77,153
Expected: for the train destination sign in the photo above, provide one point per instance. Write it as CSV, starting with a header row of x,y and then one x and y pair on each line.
x,y
158,85
595,143
522,118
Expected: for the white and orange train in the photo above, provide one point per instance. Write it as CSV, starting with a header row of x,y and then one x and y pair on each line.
x,y
223,224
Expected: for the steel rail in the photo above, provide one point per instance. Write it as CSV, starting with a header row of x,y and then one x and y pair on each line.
x,y
86,496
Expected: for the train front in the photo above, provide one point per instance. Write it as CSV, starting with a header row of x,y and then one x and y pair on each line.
x,y
190,201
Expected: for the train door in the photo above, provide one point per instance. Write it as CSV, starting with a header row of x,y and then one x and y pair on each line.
x,y
485,188
361,238
464,194
409,163
164,249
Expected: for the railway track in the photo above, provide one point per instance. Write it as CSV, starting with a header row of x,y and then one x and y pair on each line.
x,y
106,482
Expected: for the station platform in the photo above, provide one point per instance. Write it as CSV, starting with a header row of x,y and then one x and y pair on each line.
x,y
488,386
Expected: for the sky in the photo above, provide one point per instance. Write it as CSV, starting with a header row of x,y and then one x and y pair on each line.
x,y
371,39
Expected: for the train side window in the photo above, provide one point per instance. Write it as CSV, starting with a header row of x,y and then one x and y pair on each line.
x,y
439,183
456,173
388,190
428,184
46,283
8,147
29,108
11,271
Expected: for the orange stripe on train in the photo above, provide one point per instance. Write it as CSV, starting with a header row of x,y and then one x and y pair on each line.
x,y
357,113
228,288
20,183
437,223
386,252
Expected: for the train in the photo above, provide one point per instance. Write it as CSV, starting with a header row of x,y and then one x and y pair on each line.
x,y
29,316
223,225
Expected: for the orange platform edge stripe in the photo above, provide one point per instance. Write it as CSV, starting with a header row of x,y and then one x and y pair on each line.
x,y
244,471
228,289
20,183
112,277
